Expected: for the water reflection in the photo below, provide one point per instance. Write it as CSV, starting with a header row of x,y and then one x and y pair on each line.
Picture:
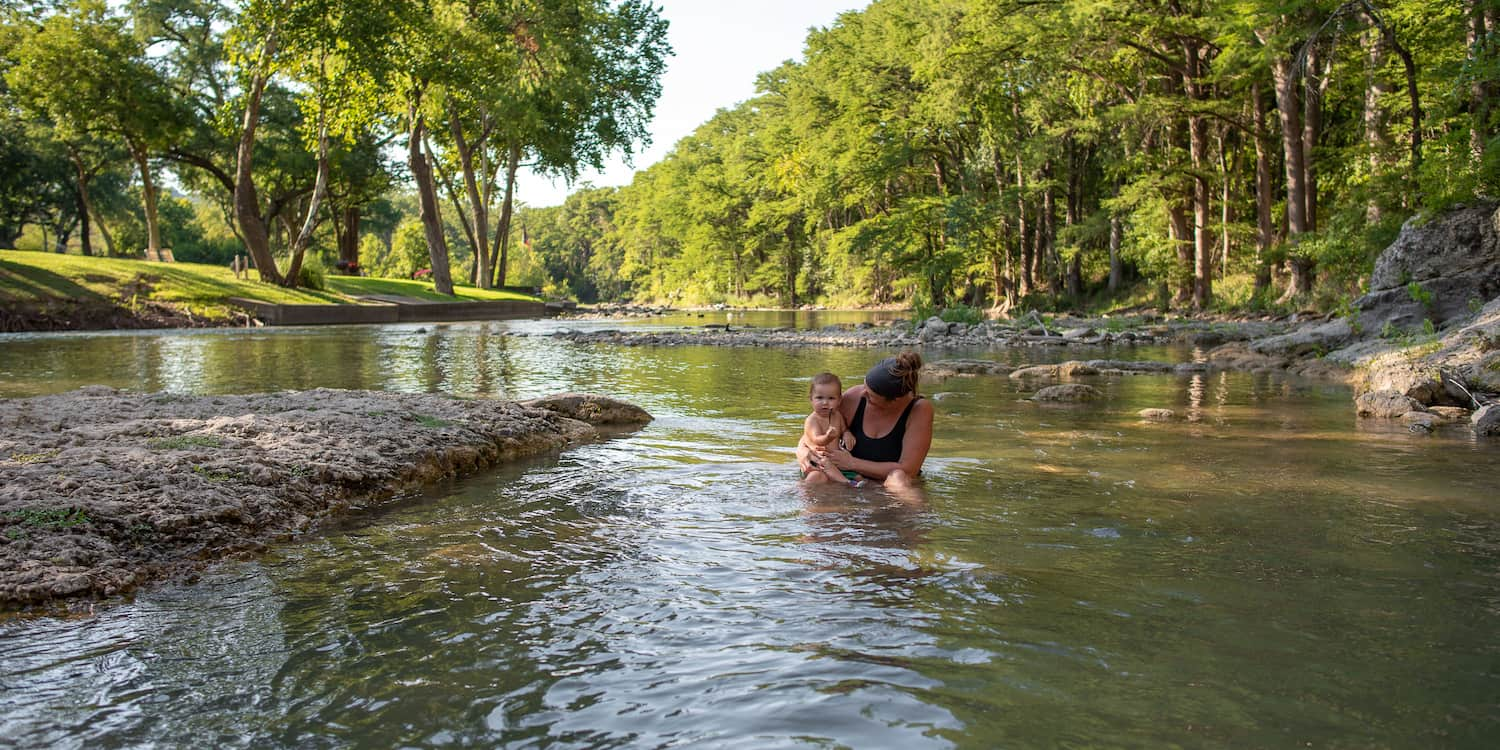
x,y
1265,574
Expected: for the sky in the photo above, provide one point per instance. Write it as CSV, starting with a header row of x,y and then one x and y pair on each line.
x,y
718,48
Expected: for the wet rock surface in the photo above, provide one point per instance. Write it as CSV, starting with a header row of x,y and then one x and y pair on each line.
x,y
102,490
1069,393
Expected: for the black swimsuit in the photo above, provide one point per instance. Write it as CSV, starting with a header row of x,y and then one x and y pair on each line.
x,y
885,449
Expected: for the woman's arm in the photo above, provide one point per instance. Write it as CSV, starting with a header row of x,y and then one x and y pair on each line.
x,y
914,447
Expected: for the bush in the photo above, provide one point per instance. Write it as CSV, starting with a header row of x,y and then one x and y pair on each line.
x,y
313,274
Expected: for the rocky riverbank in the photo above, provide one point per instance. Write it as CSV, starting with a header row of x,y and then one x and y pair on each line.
x,y
102,490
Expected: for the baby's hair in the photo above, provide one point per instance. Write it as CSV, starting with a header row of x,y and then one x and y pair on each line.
x,y
824,378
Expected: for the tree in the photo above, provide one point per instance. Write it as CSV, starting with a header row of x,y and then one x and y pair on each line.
x,y
87,74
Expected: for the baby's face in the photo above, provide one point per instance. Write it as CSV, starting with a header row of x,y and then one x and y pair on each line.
x,y
825,398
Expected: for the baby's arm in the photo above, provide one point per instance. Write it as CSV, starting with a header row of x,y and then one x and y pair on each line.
x,y
817,437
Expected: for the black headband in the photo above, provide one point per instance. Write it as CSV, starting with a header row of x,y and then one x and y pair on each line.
x,y
882,381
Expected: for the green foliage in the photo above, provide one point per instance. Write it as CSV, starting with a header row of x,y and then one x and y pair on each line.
x,y
923,152
184,442
1419,294
213,475
432,422
313,274
31,458
49,518
955,313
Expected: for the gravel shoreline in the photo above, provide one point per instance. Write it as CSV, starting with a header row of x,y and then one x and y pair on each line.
x,y
102,490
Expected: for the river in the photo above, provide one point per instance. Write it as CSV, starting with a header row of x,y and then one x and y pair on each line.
x,y
1265,571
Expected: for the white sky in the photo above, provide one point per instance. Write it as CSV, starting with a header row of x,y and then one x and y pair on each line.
x,y
719,46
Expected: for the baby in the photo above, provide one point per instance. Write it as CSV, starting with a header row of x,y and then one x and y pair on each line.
x,y
825,425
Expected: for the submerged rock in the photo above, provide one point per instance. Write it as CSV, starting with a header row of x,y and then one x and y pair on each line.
x,y
592,408
1385,404
1486,421
1068,392
1157,415
945,368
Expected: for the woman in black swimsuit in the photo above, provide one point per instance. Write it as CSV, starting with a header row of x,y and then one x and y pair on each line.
x,y
892,426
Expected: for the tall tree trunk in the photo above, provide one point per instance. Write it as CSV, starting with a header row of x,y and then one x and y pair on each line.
x,y
348,234
445,182
1315,77
246,202
478,211
1413,94
1047,237
1027,280
1480,95
1293,142
85,205
502,232
1198,153
63,232
314,203
1265,233
150,198
432,221
1180,230
1289,111
1377,137
1116,234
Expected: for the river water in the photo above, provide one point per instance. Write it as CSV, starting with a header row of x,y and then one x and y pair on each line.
x,y
1265,572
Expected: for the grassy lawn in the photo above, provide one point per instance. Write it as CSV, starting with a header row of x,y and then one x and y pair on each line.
x,y
36,276
354,285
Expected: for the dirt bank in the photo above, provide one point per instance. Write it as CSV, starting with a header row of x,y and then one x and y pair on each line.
x,y
99,315
101,490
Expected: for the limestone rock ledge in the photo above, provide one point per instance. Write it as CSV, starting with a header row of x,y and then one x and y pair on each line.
x,y
103,490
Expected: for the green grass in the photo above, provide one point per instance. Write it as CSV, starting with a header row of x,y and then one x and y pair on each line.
x,y
355,285
36,276
433,422
185,442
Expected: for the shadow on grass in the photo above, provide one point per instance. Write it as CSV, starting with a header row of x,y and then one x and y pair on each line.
x,y
30,282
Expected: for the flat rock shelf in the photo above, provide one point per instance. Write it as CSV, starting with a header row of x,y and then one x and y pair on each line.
x,y
103,490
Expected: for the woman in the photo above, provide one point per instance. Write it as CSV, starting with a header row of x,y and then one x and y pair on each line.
x,y
892,426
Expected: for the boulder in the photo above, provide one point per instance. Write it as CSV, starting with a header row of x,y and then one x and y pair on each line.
x,y
1308,339
1121,366
1074,368
1034,371
1205,339
944,368
1396,373
1435,270
1486,421
1385,404
1420,421
1070,392
1449,413
592,408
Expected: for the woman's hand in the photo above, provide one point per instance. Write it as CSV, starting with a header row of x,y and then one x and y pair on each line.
x,y
836,453
809,457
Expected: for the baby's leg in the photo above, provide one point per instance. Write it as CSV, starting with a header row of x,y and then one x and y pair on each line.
x,y
833,473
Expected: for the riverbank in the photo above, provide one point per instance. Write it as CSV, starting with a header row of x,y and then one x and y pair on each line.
x,y
102,490
1441,379
50,292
